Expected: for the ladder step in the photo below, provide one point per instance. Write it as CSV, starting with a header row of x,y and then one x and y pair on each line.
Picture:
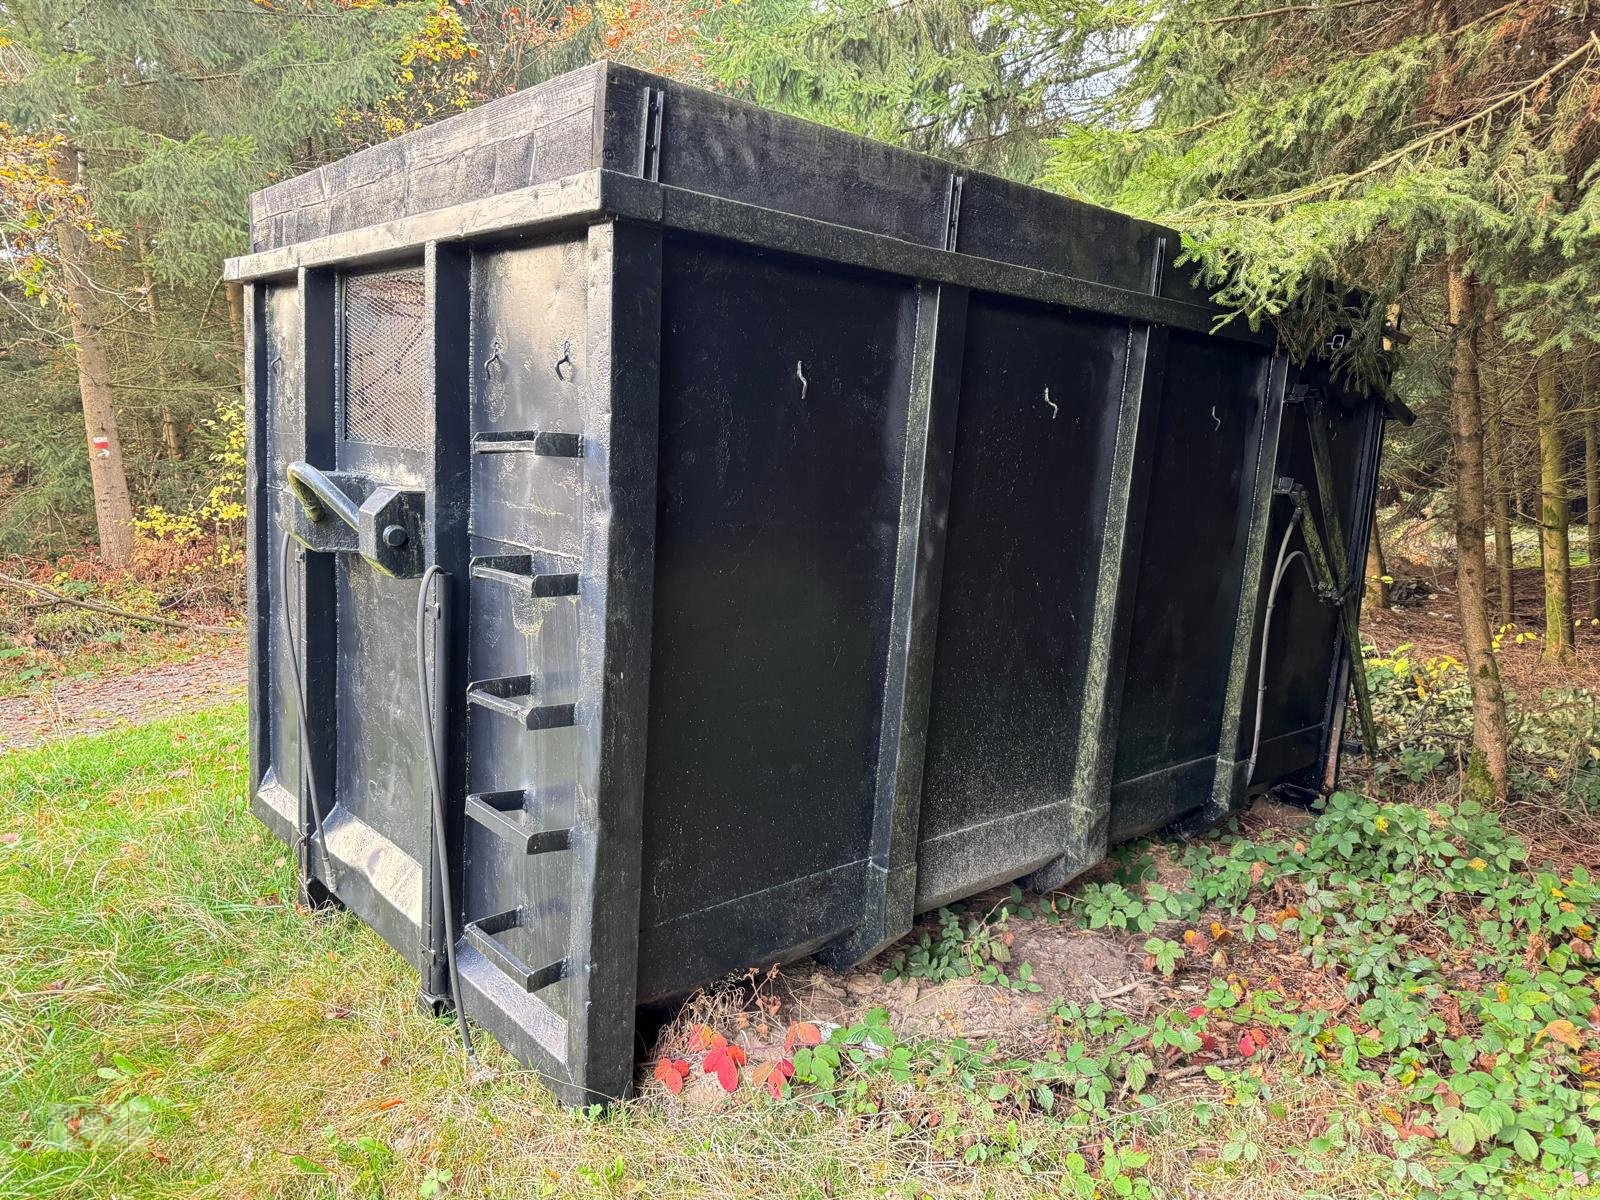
x,y
504,814
516,696
480,936
530,441
529,574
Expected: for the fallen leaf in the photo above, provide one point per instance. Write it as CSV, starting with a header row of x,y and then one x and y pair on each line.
x,y
802,1033
1247,1045
701,1037
1563,1031
391,1102
10,838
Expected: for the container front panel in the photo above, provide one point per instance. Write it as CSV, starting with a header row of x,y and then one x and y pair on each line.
x,y
1036,430
1304,629
784,388
1188,587
282,766
383,431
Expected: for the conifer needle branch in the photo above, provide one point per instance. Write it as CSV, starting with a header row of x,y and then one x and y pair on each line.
x,y
1326,185
1230,18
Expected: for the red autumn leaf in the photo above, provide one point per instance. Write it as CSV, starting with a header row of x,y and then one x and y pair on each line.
x,y
1198,1010
723,1061
1247,1045
701,1038
672,1072
773,1075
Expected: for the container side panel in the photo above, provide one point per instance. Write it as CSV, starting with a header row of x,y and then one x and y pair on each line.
x,y
529,355
715,144
783,409
1186,604
1034,445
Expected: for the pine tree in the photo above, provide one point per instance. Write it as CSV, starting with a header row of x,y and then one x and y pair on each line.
x,y
1433,155
165,117
975,82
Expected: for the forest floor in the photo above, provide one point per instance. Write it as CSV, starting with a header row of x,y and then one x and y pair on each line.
x,y
1367,1000
130,692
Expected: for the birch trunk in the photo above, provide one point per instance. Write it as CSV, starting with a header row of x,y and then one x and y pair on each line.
x,y
113,510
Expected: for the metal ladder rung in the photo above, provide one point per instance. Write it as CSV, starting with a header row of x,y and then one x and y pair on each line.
x,y
515,696
531,574
480,936
503,813
529,441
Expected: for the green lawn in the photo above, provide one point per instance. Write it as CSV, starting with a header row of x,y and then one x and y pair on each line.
x,y
173,1027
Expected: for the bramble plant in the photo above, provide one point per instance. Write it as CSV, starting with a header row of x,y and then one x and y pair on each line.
x,y
978,946
1469,981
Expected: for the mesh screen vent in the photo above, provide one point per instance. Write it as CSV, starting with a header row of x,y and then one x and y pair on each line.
x,y
385,359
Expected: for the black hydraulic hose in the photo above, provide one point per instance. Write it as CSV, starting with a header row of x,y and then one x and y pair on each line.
x,y
1285,557
436,787
293,654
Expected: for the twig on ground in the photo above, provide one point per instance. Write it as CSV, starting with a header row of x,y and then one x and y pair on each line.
x,y
1199,1069
112,610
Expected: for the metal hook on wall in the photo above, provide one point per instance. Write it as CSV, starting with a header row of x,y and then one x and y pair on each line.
x,y
564,360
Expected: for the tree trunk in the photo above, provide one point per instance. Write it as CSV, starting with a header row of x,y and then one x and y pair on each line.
x,y
113,511
1500,487
1553,519
236,323
1377,591
1591,492
1485,778
171,438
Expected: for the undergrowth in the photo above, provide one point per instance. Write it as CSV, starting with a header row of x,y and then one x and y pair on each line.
x,y
1396,1000
1453,987
1423,711
45,641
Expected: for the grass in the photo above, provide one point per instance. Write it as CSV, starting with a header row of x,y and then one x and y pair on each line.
x,y
170,1025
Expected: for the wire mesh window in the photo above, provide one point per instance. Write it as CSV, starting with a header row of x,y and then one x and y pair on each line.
x,y
386,359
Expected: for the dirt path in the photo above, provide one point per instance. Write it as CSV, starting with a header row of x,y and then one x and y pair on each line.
x,y
112,700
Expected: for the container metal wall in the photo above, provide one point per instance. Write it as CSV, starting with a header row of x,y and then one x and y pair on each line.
x,y
826,535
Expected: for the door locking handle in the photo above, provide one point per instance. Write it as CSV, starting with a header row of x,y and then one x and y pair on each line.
x,y
318,495
381,522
